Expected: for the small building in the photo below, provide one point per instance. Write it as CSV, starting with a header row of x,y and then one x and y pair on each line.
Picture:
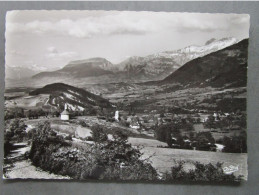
x,y
65,114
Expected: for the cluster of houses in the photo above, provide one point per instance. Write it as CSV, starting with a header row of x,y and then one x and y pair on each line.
x,y
147,121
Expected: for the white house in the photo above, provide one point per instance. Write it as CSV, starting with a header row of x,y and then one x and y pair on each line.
x,y
65,114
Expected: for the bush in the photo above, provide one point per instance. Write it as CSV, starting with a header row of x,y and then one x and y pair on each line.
x,y
83,123
15,131
201,172
105,159
98,133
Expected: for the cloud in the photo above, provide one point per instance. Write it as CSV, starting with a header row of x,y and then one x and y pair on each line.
x,y
54,53
91,24
195,25
52,49
85,27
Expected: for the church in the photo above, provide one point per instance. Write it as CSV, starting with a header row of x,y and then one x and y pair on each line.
x,y
65,114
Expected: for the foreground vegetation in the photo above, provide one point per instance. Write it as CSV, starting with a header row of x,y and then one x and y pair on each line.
x,y
201,172
106,159
110,159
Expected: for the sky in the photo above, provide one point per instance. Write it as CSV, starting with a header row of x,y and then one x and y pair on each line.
x,y
48,40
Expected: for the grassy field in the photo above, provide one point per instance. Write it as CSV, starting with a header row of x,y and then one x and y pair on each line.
x,y
163,159
145,142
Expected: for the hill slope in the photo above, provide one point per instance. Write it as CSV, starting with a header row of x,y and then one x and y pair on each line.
x,y
76,98
227,67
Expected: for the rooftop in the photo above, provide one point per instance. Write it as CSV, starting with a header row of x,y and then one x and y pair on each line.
x,y
65,112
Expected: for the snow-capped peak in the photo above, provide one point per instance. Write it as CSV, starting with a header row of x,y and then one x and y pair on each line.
x,y
211,47
191,52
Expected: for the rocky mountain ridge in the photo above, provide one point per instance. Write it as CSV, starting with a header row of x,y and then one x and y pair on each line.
x,y
223,68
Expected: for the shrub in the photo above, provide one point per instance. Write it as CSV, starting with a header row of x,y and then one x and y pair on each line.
x,y
105,159
15,131
98,133
83,123
201,172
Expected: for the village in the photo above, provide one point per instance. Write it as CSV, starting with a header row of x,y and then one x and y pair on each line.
x,y
192,131
194,114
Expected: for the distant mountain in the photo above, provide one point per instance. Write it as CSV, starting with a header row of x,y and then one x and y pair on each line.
x,y
82,68
223,68
18,72
150,67
96,62
76,98
160,65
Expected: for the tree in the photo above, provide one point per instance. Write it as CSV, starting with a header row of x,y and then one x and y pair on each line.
x,y
210,123
165,132
235,144
98,133
222,124
205,136
17,128
205,141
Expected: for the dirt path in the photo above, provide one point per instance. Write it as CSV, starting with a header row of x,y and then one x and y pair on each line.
x,y
23,169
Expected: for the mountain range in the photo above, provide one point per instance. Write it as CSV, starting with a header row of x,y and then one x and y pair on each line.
x,y
223,68
160,65
134,69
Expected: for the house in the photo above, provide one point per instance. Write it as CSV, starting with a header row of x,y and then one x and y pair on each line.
x,y
134,123
65,114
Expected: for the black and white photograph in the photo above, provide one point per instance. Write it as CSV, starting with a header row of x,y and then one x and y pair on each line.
x,y
126,96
